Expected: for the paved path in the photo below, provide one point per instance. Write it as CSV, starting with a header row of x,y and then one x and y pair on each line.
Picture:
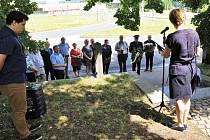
x,y
200,113
151,84
76,31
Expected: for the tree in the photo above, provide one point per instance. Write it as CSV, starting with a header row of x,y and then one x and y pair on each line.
x,y
28,8
128,12
168,4
23,5
194,4
203,28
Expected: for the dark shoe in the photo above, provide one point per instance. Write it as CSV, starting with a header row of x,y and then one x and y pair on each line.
x,y
145,70
178,128
138,72
33,137
185,126
150,70
35,127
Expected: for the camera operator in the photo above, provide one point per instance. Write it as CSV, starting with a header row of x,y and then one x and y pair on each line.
x,y
183,45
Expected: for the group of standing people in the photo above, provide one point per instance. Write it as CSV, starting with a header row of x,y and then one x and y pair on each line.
x,y
47,61
90,55
136,48
54,61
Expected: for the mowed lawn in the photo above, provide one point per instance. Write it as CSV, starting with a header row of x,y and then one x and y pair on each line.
x,y
44,22
112,107
147,27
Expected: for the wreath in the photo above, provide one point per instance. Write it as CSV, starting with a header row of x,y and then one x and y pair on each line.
x,y
138,53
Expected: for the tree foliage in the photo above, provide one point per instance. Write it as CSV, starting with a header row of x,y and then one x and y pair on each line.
x,y
156,5
194,4
28,42
28,8
128,12
202,21
168,4
23,5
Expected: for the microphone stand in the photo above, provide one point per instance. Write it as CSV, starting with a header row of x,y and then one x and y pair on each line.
x,y
162,104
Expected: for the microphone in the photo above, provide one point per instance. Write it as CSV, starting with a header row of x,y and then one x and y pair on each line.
x,y
163,31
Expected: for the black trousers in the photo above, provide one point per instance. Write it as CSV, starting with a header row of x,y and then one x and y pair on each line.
x,y
47,71
59,74
66,60
149,60
138,64
122,58
106,68
93,66
31,77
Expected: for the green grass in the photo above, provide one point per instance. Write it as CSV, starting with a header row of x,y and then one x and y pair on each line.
x,y
152,27
205,68
92,109
38,23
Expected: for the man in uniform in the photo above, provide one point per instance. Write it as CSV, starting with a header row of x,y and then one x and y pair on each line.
x,y
136,48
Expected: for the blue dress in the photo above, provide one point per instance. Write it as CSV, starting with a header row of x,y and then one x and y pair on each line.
x,y
182,66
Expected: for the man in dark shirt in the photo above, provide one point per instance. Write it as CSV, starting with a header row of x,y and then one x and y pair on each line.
x,y
92,41
149,47
46,53
106,56
136,46
12,71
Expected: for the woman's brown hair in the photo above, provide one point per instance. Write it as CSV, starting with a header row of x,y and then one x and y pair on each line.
x,y
177,17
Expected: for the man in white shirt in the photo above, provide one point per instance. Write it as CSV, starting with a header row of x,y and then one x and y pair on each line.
x,y
38,63
122,50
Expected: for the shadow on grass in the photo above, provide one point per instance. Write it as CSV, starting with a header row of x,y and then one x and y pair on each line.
x,y
95,110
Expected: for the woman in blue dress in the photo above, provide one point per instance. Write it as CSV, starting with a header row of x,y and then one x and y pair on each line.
x,y
183,47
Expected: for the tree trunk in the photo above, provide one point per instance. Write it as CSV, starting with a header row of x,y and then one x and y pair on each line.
x,y
206,56
207,61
